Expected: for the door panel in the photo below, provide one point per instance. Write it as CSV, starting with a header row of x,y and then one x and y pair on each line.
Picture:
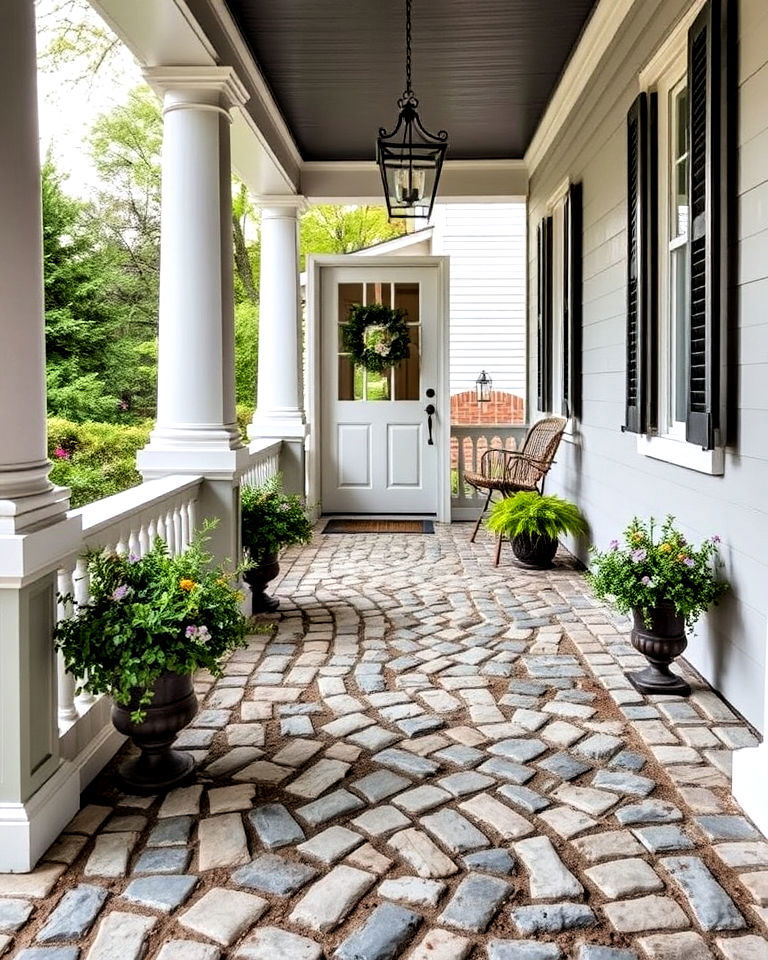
x,y
354,459
404,455
375,454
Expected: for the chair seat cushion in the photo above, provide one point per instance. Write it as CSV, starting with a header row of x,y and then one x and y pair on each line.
x,y
493,483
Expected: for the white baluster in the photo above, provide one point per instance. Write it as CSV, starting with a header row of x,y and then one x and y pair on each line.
x,y
122,546
134,547
170,532
144,539
161,528
66,682
192,507
152,531
82,585
177,529
460,469
184,512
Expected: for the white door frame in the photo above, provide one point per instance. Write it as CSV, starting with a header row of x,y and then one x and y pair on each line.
x,y
315,265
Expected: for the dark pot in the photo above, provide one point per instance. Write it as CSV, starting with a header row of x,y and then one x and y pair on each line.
x,y
659,644
257,579
158,767
536,552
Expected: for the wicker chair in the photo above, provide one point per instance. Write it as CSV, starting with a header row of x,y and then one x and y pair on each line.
x,y
509,471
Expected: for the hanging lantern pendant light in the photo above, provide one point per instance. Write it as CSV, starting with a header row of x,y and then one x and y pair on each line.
x,y
410,158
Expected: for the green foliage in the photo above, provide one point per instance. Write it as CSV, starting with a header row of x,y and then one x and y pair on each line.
x,y
376,336
328,228
272,519
648,568
246,351
94,459
149,615
528,514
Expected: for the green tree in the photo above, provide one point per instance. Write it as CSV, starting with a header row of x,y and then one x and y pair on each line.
x,y
344,229
79,326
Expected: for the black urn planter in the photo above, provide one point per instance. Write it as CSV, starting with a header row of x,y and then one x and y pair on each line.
x,y
158,767
660,643
535,552
257,579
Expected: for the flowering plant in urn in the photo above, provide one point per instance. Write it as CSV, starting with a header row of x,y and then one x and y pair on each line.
x,y
654,564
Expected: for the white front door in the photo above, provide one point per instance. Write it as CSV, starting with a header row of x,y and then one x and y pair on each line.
x,y
377,457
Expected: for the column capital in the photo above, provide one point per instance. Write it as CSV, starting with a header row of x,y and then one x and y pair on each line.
x,y
199,85
281,205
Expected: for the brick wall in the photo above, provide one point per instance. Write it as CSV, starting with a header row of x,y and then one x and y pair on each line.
x,y
503,408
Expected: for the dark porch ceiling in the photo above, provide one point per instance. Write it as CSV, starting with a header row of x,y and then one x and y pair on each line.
x,y
482,69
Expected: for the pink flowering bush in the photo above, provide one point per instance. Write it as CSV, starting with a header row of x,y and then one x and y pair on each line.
x,y
653,565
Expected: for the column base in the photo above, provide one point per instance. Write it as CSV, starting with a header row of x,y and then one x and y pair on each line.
x,y
750,783
290,426
25,514
211,460
28,829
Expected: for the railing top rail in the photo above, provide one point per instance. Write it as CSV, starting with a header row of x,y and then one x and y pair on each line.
x,y
264,448
488,427
101,514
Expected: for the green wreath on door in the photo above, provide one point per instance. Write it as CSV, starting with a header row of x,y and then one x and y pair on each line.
x,y
376,336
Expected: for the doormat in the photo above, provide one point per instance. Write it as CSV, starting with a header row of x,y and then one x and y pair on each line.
x,y
379,526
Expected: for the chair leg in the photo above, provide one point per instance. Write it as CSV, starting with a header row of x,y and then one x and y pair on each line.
x,y
499,541
480,518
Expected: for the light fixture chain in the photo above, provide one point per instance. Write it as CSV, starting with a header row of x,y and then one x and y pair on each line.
x,y
408,88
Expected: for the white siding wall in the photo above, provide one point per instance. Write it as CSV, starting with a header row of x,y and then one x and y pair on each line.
x,y
603,470
486,244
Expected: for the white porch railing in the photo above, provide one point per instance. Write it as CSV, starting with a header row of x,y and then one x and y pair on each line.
x,y
468,444
128,522
263,463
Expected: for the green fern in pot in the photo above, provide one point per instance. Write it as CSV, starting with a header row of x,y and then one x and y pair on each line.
x,y
533,523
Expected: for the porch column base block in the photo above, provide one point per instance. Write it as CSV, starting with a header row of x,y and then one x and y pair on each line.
x,y
28,829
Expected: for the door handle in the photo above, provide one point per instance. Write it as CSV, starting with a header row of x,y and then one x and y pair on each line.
x,y
430,412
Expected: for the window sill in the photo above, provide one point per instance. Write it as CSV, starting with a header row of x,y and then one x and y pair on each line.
x,y
683,454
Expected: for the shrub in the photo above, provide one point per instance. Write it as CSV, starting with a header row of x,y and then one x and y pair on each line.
x,y
94,459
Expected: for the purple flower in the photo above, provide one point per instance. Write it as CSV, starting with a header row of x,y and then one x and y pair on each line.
x,y
689,562
716,539
613,545
646,582
639,555
190,632
120,593
133,558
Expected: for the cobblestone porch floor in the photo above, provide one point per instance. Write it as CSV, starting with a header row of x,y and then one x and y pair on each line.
x,y
430,759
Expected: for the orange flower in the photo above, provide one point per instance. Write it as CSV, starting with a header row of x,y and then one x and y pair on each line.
x,y
187,584
682,557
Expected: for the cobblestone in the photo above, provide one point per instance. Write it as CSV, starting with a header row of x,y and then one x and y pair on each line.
x,y
389,725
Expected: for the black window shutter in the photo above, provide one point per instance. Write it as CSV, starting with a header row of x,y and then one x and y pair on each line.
x,y
572,254
707,250
641,285
544,331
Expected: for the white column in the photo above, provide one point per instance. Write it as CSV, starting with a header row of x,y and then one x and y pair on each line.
x,y
196,430
38,794
196,427
280,401
280,395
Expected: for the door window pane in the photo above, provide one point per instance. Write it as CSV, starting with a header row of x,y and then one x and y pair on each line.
x,y
407,386
350,379
378,385
378,293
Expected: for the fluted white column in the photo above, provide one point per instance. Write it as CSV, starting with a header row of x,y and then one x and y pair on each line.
x,y
196,428
280,400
